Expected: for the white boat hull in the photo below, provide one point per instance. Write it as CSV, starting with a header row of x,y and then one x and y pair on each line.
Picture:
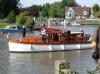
x,y
20,47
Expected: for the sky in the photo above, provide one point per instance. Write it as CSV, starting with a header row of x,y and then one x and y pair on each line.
x,y
88,3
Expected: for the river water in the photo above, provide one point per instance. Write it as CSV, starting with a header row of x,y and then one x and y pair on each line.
x,y
43,62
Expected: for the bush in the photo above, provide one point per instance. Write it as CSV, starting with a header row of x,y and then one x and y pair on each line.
x,y
98,14
11,17
29,21
24,20
21,19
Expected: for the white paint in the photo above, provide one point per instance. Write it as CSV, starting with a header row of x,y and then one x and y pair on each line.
x,y
18,47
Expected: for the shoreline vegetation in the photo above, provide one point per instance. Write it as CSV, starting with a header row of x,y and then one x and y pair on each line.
x,y
84,23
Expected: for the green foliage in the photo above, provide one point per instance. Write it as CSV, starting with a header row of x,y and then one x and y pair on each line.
x,y
97,14
20,20
1,15
24,20
29,21
53,10
39,22
6,6
93,72
45,10
2,25
11,17
60,12
25,13
75,72
95,8
89,22
70,72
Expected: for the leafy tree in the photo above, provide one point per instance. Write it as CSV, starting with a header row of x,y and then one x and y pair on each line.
x,y
60,12
24,20
11,17
29,21
63,4
45,10
6,6
69,3
1,15
21,19
97,14
1,9
53,9
95,8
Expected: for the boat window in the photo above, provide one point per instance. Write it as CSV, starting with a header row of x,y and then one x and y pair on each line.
x,y
19,27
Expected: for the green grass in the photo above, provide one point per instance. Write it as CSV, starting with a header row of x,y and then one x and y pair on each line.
x,y
89,22
38,22
2,25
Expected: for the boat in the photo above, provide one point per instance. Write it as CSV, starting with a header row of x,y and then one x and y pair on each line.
x,y
55,40
13,28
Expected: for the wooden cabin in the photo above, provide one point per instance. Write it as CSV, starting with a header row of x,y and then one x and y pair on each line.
x,y
57,36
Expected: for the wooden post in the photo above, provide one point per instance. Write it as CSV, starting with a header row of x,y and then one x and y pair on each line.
x,y
61,65
98,65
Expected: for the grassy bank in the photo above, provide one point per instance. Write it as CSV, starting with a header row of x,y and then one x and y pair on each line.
x,y
89,22
2,25
39,22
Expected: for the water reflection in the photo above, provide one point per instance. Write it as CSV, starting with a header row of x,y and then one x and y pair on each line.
x,y
43,63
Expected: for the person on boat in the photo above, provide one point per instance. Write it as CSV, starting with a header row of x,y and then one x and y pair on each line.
x,y
8,36
82,34
43,33
68,35
96,45
56,37
42,25
24,31
88,36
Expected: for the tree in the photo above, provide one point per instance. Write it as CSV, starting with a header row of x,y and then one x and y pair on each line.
x,y
24,19
53,10
60,12
45,10
29,21
21,18
69,3
97,14
6,6
11,17
1,9
95,8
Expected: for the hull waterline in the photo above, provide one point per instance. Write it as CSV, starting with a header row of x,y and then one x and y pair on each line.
x,y
24,47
